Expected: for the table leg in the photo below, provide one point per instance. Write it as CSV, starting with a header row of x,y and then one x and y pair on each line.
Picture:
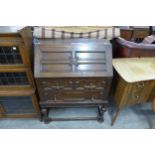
x,y
153,109
153,105
115,117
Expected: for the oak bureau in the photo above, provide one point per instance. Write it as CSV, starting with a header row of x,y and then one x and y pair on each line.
x,y
73,73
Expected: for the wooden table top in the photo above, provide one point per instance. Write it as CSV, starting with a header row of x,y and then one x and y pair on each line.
x,y
135,69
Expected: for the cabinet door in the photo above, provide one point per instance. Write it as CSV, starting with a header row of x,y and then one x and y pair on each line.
x,y
10,55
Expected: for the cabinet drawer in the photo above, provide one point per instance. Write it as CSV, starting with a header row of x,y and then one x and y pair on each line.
x,y
71,84
139,92
81,88
71,96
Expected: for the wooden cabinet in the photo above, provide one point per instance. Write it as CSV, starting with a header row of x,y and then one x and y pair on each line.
x,y
136,34
17,87
124,49
128,94
134,82
132,93
73,72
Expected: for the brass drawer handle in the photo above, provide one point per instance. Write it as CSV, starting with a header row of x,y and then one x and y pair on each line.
x,y
47,88
57,87
136,97
70,82
73,99
100,88
90,87
45,93
140,85
104,82
43,82
69,99
67,88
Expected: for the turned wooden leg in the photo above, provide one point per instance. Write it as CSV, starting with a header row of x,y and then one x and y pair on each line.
x,y
44,113
115,117
101,110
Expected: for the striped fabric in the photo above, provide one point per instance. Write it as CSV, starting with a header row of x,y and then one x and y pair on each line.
x,y
98,32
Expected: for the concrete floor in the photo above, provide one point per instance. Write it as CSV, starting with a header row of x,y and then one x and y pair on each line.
x,y
134,117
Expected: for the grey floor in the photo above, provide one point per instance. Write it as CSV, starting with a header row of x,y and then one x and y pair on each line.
x,y
134,117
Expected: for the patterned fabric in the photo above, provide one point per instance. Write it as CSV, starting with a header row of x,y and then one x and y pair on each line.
x,y
97,32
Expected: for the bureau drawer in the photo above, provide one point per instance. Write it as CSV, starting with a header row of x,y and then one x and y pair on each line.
x,y
71,84
71,96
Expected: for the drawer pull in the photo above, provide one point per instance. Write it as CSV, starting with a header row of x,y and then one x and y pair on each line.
x,y
55,98
90,87
92,98
47,88
104,82
136,97
57,87
73,99
140,85
67,88
100,88
43,82
45,93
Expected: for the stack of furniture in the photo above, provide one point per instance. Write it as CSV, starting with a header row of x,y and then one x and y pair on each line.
x,y
125,48
135,33
17,87
73,73
134,82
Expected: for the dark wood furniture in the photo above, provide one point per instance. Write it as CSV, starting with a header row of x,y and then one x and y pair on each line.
x,y
17,88
135,33
73,73
124,48
133,83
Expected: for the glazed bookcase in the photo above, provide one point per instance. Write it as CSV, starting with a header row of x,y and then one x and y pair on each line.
x,y
17,88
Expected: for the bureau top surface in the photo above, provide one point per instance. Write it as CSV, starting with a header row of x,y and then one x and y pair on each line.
x,y
135,69
73,58
70,41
